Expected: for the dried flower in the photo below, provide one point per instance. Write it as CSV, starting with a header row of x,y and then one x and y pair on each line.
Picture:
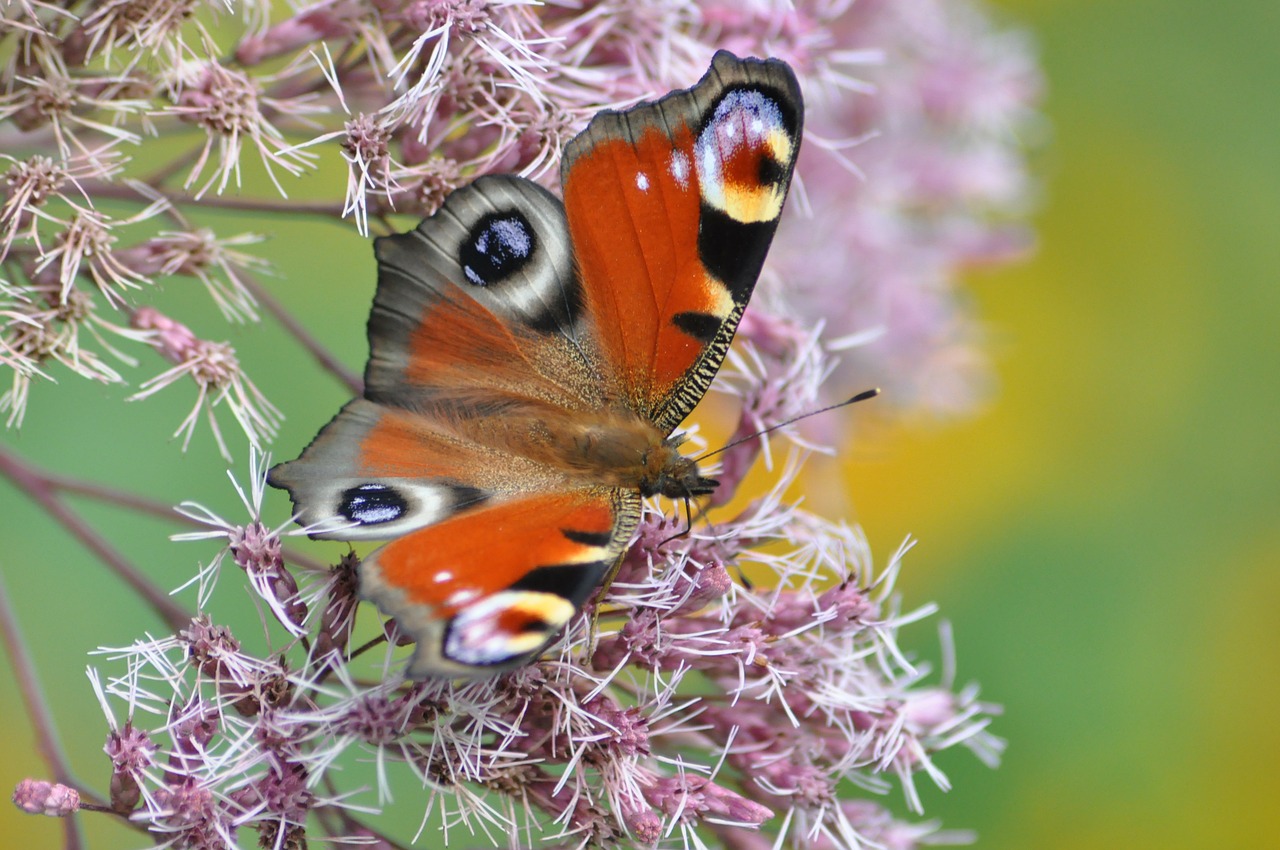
x,y
218,378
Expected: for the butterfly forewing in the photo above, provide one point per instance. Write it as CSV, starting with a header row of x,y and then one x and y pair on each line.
x,y
671,207
483,294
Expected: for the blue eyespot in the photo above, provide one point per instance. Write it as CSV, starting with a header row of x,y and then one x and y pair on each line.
x,y
371,504
498,246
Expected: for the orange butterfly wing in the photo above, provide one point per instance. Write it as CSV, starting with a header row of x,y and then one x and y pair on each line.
x,y
498,582
671,208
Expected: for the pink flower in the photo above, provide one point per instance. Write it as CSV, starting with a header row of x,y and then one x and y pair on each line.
x,y
45,798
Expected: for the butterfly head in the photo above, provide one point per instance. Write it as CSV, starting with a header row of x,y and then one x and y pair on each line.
x,y
671,474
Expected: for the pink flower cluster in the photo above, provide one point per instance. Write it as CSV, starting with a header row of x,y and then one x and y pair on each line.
x,y
736,682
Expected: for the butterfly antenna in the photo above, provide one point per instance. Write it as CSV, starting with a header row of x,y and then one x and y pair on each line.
x,y
862,396
688,515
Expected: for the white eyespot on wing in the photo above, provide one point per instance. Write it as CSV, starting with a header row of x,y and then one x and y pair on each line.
x,y
502,239
378,510
642,181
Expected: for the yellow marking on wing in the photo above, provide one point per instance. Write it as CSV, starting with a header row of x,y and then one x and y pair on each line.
x,y
721,300
749,204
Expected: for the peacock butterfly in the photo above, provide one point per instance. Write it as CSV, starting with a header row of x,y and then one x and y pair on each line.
x,y
529,359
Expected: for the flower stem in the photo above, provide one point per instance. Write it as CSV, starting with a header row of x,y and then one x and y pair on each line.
x,y
38,710
326,360
32,694
150,507
38,488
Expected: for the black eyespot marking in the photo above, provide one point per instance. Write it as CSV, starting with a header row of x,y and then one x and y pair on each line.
x,y
598,539
701,326
498,246
371,504
772,172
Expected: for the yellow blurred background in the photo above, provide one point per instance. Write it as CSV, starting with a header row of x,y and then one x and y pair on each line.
x,y
1103,537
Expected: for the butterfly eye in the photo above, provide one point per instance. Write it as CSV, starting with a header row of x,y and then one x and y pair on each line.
x,y
370,504
498,246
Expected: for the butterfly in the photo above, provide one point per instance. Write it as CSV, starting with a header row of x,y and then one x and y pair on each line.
x,y
529,359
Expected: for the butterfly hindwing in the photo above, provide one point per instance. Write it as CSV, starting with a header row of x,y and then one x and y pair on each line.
x,y
479,608
671,207
375,472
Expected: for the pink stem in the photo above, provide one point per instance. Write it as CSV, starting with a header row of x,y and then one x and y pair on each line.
x,y
32,483
38,710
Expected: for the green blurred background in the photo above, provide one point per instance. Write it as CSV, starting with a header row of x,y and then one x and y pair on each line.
x,y
1103,537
